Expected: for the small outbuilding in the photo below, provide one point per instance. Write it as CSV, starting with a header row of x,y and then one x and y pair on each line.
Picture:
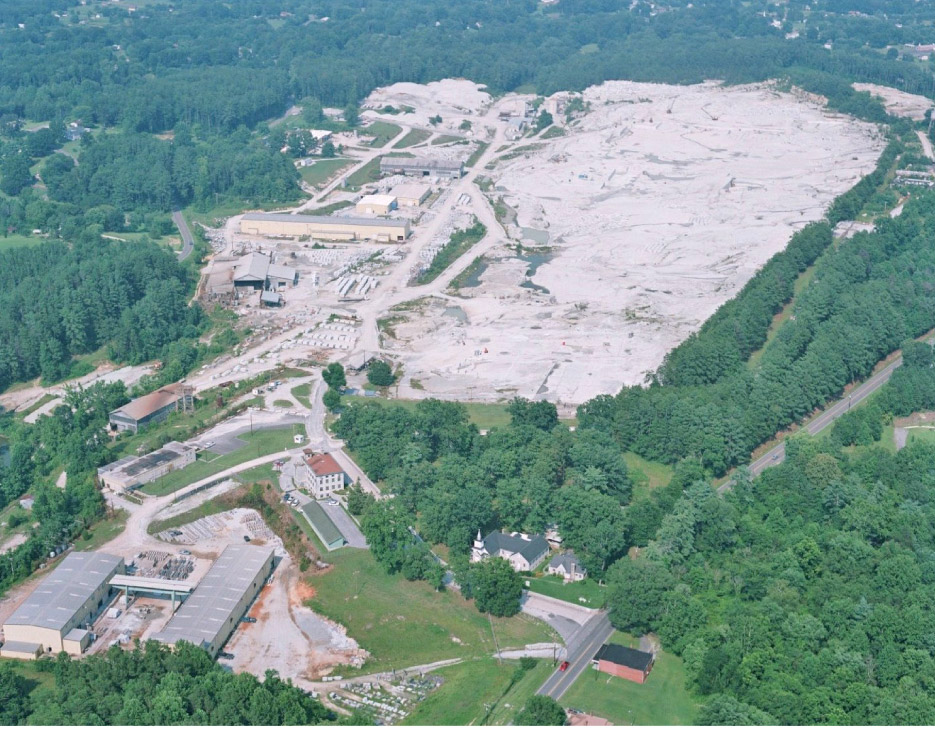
x,y
376,204
567,567
623,662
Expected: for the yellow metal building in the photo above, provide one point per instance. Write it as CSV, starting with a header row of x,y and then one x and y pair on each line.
x,y
324,226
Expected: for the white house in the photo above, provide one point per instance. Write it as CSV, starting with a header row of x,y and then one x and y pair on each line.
x,y
323,474
522,551
567,567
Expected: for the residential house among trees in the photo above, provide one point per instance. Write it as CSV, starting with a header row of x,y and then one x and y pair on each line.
x,y
567,567
623,662
522,551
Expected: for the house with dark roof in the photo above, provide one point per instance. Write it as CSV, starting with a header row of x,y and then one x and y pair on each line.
x,y
522,551
623,662
567,567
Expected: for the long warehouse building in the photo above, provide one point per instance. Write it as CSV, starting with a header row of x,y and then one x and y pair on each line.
x,y
208,617
324,226
57,614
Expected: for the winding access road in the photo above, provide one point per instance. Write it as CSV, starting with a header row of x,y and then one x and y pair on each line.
x,y
188,241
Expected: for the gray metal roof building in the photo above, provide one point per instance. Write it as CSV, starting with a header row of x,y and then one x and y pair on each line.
x,y
208,617
327,532
53,603
422,166
70,597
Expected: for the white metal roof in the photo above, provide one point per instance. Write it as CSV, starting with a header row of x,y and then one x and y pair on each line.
x,y
64,592
151,583
377,200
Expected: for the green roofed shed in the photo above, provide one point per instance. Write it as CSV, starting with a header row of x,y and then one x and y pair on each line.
x,y
327,532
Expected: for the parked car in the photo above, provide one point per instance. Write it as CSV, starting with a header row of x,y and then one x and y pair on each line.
x,y
247,619
228,656
564,666
185,552
333,502
246,538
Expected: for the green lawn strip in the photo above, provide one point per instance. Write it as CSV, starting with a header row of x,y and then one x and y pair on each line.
x,y
476,155
331,208
552,132
446,139
646,475
30,671
370,172
404,623
478,692
587,592
223,502
461,242
483,414
102,531
382,133
302,392
662,700
282,403
321,171
783,316
415,136
15,241
47,398
260,443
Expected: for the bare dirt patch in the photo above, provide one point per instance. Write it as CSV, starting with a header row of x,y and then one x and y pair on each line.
x,y
899,103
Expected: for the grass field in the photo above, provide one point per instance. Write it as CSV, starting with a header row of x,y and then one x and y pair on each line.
x,y
646,475
460,242
416,136
302,392
476,155
261,443
331,208
446,139
483,415
662,700
224,502
17,241
405,623
320,172
103,531
282,403
472,687
551,586
783,316
370,172
920,435
382,133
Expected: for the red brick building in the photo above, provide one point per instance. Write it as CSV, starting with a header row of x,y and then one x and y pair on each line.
x,y
628,663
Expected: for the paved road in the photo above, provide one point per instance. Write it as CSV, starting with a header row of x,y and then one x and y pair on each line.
x,y
774,456
188,242
581,649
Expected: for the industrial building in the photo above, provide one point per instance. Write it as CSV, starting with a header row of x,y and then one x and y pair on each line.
x,y
327,531
58,614
258,272
323,474
209,616
324,226
422,167
376,204
623,662
152,408
411,195
132,472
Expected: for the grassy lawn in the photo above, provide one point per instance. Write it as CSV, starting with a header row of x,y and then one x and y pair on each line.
x,y
646,475
47,398
302,392
471,687
282,403
15,241
331,208
224,502
783,316
662,700
382,133
920,435
320,172
103,531
446,139
416,136
476,155
483,414
260,443
370,172
551,586
461,242
405,623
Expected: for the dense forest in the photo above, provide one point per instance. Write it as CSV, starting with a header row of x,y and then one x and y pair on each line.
x,y
58,301
153,685
185,91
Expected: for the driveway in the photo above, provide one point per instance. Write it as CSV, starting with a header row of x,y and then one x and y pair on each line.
x,y
564,617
